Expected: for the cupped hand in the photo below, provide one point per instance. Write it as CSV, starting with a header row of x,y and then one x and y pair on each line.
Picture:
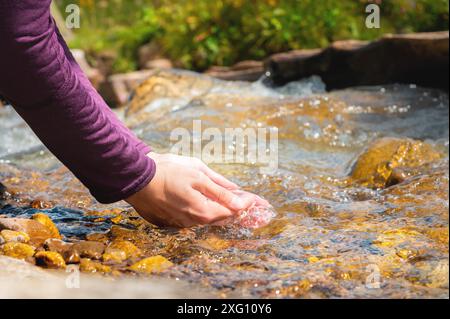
x,y
185,192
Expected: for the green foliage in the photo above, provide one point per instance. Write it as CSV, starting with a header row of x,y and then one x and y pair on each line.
x,y
200,33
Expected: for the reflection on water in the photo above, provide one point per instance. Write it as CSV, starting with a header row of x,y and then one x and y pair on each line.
x,y
333,236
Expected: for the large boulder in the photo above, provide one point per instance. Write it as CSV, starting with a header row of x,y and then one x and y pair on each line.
x,y
420,58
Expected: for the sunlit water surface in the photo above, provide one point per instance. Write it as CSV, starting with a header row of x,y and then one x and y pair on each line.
x,y
332,236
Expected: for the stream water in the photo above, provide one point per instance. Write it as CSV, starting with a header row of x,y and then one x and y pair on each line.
x,y
335,234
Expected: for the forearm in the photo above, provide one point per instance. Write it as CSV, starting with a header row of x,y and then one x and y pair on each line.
x,y
144,148
47,88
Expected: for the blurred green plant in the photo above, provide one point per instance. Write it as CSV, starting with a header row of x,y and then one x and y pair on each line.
x,y
199,33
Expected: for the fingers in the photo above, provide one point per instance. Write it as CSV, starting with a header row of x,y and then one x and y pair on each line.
x,y
206,211
217,178
255,198
261,201
222,195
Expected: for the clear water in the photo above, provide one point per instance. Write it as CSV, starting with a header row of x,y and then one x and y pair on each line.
x,y
331,237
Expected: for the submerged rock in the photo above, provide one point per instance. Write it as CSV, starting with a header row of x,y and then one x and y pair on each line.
x,y
64,249
88,249
47,222
167,83
128,249
114,256
18,250
37,232
50,259
14,236
56,245
153,264
379,166
90,266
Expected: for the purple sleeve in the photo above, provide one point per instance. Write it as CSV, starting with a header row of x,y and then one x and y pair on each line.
x,y
40,77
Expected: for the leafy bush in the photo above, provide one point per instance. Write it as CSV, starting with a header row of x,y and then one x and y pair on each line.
x,y
201,33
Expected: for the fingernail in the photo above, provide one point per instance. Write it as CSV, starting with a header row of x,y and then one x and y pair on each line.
x,y
237,203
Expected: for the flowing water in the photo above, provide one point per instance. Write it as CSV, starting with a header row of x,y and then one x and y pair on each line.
x,y
343,227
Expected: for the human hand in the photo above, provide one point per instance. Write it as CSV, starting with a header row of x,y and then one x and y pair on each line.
x,y
185,192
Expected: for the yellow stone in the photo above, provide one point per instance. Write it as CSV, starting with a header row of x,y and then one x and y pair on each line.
x,y
374,167
117,219
47,222
87,265
214,243
439,234
405,253
50,259
153,264
14,236
114,255
18,250
313,259
130,250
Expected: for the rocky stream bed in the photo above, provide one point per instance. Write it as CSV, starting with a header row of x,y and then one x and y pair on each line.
x,y
361,195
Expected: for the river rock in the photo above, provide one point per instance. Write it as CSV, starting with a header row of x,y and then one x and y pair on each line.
x,y
242,71
114,256
70,255
57,245
148,52
153,264
50,259
128,248
116,90
38,233
14,236
88,249
2,187
90,266
160,84
375,167
19,279
41,204
18,250
420,58
47,222
159,64
100,237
